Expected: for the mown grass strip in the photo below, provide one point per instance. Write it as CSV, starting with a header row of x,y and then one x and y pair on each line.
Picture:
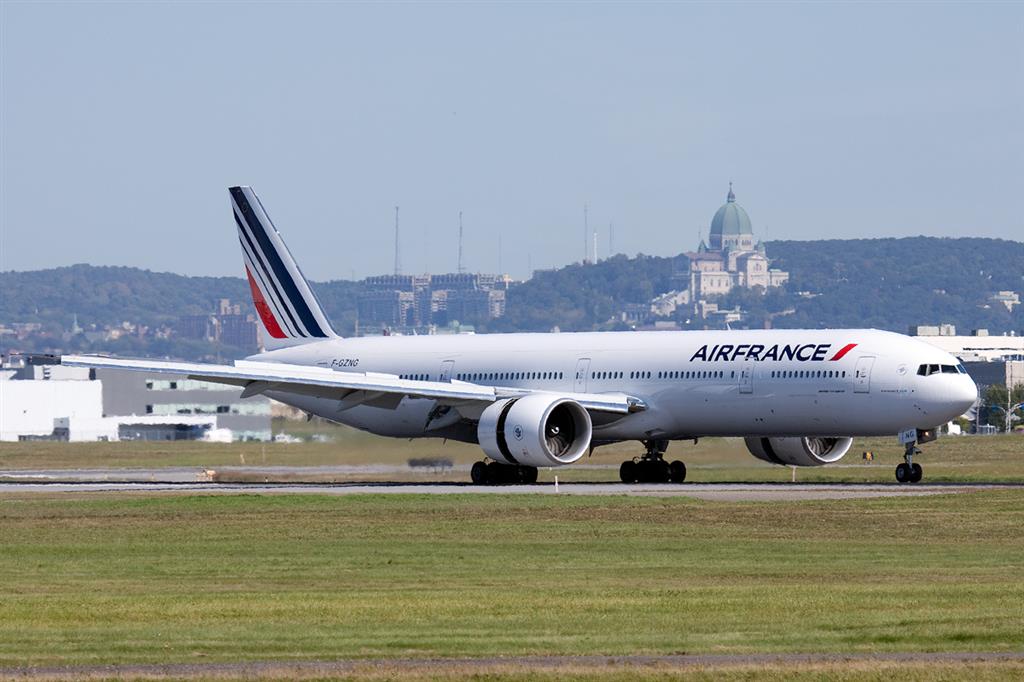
x,y
228,578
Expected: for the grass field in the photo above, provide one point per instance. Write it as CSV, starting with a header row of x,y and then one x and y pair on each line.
x,y
133,579
964,458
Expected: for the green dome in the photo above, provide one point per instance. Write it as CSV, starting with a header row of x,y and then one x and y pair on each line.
x,y
731,219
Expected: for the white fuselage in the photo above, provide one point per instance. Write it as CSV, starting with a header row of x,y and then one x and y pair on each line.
x,y
699,383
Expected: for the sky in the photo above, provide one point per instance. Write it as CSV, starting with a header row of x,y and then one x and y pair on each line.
x,y
123,124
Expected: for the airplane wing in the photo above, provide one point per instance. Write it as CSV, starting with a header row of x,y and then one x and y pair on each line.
x,y
348,387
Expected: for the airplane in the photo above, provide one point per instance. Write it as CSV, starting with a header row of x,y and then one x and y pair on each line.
x,y
796,397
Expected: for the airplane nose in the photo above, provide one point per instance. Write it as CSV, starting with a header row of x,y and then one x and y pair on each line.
x,y
965,394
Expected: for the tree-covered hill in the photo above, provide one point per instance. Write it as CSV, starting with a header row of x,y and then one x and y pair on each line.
x,y
892,283
580,297
883,283
110,295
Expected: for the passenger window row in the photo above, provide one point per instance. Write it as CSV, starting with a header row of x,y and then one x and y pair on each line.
x,y
509,376
701,374
923,370
665,374
808,374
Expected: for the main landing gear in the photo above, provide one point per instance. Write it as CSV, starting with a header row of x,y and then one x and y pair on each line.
x,y
492,473
652,467
909,471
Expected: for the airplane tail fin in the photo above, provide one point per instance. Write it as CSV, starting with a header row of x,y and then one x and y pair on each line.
x,y
289,311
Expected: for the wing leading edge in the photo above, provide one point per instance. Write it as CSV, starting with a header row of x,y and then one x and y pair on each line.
x,y
258,377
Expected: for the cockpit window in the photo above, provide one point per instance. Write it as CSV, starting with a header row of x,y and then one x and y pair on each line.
x,y
928,370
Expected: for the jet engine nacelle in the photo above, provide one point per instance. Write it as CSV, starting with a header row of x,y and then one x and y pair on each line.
x,y
804,451
537,430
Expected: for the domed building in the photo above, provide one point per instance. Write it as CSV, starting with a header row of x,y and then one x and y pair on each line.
x,y
731,258
730,228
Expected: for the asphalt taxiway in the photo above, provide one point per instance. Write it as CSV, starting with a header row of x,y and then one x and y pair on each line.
x,y
187,481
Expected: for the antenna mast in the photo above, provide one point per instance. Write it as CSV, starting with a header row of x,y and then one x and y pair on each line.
x,y
398,261
586,234
460,271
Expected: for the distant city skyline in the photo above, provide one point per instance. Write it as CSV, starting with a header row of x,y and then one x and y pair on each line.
x,y
122,125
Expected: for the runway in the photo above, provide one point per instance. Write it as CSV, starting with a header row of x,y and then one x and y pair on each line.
x,y
189,481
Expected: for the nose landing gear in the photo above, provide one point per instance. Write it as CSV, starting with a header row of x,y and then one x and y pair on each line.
x,y
909,471
652,467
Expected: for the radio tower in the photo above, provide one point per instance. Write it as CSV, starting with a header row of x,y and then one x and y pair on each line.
x,y
586,234
460,243
398,260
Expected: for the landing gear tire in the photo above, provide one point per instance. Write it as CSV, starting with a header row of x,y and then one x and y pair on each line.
x,y
657,471
916,473
627,471
493,473
478,474
652,467
527,475
677,472
903,473
651,471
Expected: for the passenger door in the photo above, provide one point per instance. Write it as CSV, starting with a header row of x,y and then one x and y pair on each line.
x,y
862,375
582,370
446,371
747,377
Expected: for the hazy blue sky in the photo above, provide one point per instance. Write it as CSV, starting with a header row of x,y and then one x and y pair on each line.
x,y
123,124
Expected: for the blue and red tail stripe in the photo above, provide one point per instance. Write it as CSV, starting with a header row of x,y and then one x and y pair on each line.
x,y
286,304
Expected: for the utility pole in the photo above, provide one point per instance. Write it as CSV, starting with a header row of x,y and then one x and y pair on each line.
x,y
1013,379
1009,402
398,261
460,243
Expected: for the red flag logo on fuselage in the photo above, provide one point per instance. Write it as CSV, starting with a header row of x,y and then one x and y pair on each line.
x,y
843,351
